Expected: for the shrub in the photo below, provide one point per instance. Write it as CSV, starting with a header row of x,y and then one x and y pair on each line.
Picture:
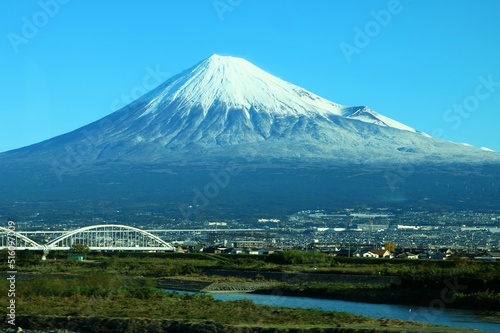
x,y
294,257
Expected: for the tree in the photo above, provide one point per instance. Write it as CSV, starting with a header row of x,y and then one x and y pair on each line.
x,y
390,246
80,248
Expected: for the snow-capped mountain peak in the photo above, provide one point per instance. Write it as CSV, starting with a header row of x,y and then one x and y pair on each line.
x,y
238,83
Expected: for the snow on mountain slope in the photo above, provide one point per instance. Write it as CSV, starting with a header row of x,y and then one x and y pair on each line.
x,y
238,83
367,115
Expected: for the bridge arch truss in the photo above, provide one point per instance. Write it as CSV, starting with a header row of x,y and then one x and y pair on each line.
x,y
111,237
10,238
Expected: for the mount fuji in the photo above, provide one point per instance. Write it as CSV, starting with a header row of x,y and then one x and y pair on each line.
x,y
226,112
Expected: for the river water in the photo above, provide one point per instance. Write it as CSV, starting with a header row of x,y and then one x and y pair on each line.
x,y
445,316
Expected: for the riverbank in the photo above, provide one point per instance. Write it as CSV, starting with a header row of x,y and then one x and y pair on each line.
x,y
193,285
70,324
386,295
110,303
356,288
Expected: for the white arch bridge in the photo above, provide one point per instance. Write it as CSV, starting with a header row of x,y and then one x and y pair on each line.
x,y
108,237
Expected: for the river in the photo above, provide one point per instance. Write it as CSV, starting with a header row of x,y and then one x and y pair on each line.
x,y
445,316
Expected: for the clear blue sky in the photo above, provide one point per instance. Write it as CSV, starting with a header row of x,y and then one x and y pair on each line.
x,y
425,63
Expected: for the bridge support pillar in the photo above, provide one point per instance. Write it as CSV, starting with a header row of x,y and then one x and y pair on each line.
x,y
45,253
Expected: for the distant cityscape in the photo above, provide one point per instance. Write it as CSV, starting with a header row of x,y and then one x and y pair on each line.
x,y
347,232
